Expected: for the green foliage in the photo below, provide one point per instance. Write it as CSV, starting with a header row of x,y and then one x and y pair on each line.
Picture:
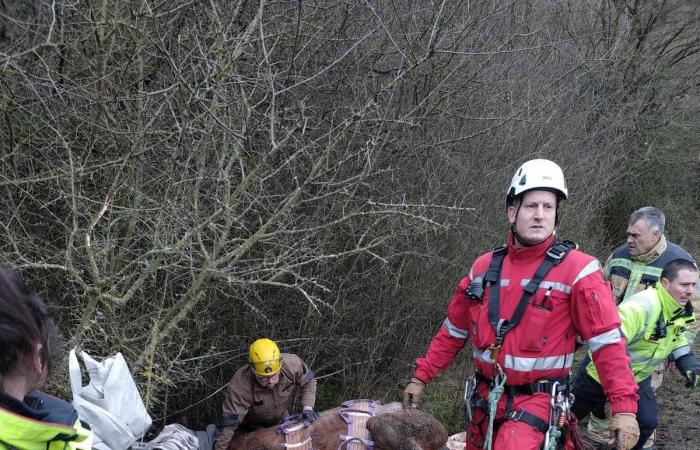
x,y
443,399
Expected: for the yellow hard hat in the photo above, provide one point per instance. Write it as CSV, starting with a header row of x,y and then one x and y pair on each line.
x,y
265,358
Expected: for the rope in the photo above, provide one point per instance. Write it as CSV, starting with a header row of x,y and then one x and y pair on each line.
x,y
495,393
554,435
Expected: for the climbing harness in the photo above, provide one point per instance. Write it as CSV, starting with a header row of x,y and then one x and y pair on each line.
x,y
554,255
356,413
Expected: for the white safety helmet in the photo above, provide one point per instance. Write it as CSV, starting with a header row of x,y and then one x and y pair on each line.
x,y
540,174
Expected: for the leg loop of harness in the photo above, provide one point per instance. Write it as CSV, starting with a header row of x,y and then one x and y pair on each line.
x,y
560,403
520,415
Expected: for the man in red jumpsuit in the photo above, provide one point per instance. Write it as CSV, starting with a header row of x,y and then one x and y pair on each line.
x,y
522,306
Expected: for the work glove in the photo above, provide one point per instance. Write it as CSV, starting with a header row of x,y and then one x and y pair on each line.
x,y
310,415
624,426
689,366
692,377
412,393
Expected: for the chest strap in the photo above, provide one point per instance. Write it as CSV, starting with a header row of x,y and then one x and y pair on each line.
x,y
554,255
356,413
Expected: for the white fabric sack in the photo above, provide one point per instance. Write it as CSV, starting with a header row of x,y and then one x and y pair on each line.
x,y
174,437
110,403
457,441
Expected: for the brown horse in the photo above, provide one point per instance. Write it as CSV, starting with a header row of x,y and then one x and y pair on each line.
x,y
391,428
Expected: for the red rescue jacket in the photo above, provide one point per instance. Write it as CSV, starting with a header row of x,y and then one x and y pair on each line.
x,y
573,299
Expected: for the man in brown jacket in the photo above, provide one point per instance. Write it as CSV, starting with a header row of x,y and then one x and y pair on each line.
x,y
260,393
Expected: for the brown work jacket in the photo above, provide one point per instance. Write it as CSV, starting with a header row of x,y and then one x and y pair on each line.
x,y
252,406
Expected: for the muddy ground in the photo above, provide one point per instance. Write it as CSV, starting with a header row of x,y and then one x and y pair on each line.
x,y
679,427
679,413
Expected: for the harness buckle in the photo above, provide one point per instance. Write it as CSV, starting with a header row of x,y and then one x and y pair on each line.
x,y
557,252
501,329
516,415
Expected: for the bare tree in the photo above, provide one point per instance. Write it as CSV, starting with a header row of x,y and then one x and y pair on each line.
x,y
183,177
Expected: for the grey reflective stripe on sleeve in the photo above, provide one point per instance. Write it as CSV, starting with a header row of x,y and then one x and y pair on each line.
x,y
565,288
595,343
454,331
547,363
590,268
649,361
681,351
309,375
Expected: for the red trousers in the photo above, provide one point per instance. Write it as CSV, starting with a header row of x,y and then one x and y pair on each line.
x,y
508,434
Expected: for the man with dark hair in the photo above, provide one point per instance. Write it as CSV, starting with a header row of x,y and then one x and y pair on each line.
x,y
654,322
631,268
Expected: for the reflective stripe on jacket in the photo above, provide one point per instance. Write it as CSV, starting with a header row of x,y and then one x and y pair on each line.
x,y
629,275
249,404
640,315
254,404
18,431
572,300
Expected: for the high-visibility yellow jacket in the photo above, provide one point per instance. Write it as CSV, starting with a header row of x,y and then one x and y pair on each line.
x,y
642,316
631,274
41,422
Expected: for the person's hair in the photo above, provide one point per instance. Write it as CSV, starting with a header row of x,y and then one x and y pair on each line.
x,y
24,323
654,218
671,270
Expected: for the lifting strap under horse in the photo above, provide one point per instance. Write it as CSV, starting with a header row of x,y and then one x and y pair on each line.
x,y
295,430
356,413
